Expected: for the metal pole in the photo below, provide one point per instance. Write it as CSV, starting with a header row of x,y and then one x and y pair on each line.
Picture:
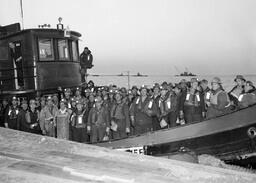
x,y
128,73
21,11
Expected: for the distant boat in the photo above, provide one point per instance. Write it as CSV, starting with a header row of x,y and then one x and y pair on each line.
x,y
140,75
120,74
185,73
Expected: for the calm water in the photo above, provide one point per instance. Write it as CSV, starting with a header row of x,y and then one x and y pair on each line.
x,y
122,81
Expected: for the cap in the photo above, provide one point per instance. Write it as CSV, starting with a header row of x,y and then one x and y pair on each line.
x,y
216,80
134,88
32,101
156,85
143,87
24,102
14,98
49,97
183,81
98,99
78,89
239,77
63,101
67,90
250,83
79,102
193,80
176,85
204,81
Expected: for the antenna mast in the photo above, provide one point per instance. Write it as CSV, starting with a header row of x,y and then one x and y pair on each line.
x,y
21,11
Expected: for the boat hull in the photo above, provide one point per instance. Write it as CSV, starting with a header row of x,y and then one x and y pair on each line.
x,y
226,136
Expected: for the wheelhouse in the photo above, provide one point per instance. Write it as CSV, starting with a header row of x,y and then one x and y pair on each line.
x,y
38,60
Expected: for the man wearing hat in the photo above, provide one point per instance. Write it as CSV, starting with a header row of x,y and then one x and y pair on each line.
x,y
22,122
248,97
67,97
62,120
86,60
47,118
3,108
168,105
156,98
98,121
11,114
205,90
219,102
32,117
120,119
142,110
194,107
237,90
79,121
78,96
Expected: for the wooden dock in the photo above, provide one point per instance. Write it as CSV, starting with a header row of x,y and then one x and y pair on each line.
x,y
32,158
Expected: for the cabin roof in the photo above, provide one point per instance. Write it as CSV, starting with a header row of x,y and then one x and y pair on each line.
x,y
40,30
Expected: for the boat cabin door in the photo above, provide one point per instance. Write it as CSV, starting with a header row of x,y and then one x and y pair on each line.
x,y
17,59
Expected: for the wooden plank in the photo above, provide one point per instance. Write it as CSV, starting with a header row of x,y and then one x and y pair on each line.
x,y
25,156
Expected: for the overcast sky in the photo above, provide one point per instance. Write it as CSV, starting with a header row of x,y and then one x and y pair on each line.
x,y
153,36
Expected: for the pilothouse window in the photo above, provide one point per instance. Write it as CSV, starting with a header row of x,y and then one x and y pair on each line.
x,y
63,49
74,51
45,49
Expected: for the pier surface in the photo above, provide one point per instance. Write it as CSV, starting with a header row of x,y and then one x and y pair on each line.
x,y
33,158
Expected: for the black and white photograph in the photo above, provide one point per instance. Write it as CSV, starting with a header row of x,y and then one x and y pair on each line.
x,y
127,91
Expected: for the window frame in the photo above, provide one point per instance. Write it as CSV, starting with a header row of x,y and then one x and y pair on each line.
x,y
52,50
77,52
68,49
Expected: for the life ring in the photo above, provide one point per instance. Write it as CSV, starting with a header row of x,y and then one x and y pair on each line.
x,y
251,132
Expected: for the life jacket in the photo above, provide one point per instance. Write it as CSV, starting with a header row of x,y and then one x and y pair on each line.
x,y
148,105
77,120
214,98
165,104
98,116
247,99
117,115
192,99
236,91
13,112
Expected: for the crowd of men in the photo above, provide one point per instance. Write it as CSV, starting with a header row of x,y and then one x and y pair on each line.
x,y
92,114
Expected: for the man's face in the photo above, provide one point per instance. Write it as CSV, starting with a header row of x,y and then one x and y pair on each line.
x,y
24,106
118,97
143,92
163,92
194,85
14,102
240,82
62,105
98,104
79,107
67,94
247,87
49,102
156,90
204,85
32,105
86,50
215,86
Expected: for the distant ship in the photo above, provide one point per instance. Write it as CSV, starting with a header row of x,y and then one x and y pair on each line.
x,y
140,75
120,74
185,73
